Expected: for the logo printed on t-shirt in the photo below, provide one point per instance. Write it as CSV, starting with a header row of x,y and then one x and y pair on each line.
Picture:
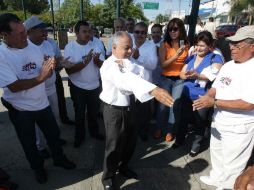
x,y
226,80
28,67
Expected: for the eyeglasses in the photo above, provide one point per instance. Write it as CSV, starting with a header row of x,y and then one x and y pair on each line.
x,y
140,32
237,45
174,29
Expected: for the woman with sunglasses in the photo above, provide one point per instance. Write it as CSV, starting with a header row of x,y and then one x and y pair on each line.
x,y
200,69
172,53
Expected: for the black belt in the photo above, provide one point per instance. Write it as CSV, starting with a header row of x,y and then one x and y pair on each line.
x,y
124,108
172,77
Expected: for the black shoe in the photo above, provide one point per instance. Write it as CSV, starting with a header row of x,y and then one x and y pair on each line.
x,y
77,143
44,153
65,163
193,154
128,173
108,187
109,184
62,142
176,145
41,176
68,122
98,136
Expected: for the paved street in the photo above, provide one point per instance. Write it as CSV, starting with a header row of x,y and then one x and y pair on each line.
x,y
158,166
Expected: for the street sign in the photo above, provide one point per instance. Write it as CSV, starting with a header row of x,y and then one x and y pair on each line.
x,y
151,5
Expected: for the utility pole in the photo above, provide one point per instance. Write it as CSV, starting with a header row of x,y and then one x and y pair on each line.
x,y
53,18
81,9
193,20
24,8
117,8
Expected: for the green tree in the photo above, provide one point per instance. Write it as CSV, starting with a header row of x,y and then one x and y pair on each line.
x,y
128,9
69,12
161,18
237,6
32,6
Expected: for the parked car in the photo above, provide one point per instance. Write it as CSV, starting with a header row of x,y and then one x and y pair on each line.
x,y
226,30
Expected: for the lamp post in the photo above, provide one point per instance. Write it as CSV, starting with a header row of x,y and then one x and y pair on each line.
x,y
53,17
193,20
24,8
81,9
117,8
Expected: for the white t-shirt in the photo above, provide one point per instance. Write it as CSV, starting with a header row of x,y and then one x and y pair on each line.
x,y
55,46
47,50
97,42
147,57
18,64
88,77
235,81
119,82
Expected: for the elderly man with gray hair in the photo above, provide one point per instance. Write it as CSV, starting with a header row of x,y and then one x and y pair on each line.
x,y
232,130
121,77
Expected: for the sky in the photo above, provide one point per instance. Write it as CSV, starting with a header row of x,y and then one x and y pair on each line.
x,y
165,6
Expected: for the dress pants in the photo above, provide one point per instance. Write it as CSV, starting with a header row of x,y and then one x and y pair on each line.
x,y
121,137
230,149
24,123
85,101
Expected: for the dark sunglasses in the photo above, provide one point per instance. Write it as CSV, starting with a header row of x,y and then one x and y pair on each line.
x,y
140,32
174,29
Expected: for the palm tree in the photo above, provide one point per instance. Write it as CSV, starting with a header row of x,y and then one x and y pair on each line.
x,y
237,6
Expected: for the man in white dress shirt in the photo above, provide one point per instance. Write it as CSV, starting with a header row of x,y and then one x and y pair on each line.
x,y
121,78
145,54
22,76
84,81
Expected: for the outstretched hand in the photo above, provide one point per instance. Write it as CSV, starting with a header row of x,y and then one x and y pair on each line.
x,y
162,96
203,102
245,181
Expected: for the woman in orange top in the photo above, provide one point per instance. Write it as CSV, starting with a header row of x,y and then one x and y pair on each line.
x,y
172,53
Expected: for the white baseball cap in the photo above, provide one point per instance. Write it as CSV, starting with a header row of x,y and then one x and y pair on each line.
x,y
34,22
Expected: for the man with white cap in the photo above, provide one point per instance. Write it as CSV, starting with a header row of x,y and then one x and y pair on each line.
x,y
232,130
37,34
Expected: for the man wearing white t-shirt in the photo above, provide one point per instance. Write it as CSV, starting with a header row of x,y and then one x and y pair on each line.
x,y
232,133
22,77
37,34
145,54
84,81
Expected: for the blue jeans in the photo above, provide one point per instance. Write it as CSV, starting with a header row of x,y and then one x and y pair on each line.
x,y
166,116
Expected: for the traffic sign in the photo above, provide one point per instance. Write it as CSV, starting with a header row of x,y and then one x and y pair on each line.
x,y
151,5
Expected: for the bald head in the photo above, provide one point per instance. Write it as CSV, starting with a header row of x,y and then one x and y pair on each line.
x,y
122,45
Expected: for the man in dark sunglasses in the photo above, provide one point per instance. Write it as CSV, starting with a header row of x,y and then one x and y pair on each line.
x,y
145,53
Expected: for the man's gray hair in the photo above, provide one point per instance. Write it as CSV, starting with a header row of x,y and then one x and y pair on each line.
x,y
249,41
118,35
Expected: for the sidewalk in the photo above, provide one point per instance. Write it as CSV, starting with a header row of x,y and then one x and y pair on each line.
x,y
158,166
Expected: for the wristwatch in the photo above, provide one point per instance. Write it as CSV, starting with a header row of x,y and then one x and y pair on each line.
x,y
215,103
